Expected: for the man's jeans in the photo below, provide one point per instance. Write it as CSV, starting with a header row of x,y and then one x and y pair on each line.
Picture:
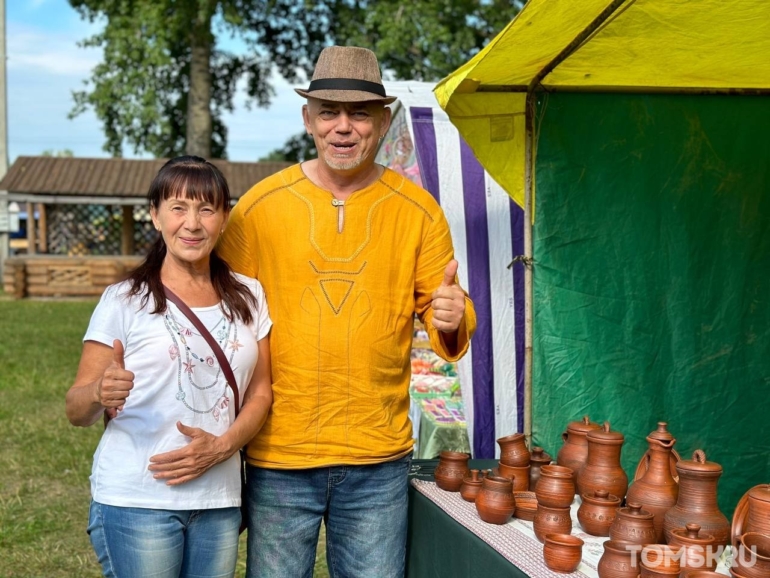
x,y
147,543
364,507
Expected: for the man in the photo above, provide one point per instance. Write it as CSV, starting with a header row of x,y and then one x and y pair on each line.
x,y
347,252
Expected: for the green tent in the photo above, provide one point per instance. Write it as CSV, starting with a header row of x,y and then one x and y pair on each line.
x,y
635,135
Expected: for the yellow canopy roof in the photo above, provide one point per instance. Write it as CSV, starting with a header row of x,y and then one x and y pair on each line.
x,y
639,45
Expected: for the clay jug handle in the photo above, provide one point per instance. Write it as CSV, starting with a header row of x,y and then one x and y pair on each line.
x,y
699,457
666,445
564,436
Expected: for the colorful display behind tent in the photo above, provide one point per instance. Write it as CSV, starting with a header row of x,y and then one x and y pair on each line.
x,y
487,229
642,126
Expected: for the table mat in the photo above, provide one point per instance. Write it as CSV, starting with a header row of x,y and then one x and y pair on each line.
x,y
516,540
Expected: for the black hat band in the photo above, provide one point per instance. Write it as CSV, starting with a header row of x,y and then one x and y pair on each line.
x,y
346,84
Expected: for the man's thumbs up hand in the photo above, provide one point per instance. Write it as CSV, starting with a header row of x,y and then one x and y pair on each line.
x,y
448,301
116,383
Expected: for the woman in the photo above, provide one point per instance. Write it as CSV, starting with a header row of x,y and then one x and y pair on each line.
x,y
165,483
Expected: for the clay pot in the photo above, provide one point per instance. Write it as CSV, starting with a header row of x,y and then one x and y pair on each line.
x,y
758,514
659,561
551,521
698,549
752,559
562,552
619,560
451,469
518,475
526,505
574,451
602,469
634,525
697,501
537,460
657,490
597,512
700,574
470,487
513,450
495,502
555,488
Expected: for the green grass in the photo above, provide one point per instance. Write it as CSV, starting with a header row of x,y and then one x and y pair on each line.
x,y
44,490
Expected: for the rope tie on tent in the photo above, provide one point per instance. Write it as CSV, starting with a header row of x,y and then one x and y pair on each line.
x,y
528,261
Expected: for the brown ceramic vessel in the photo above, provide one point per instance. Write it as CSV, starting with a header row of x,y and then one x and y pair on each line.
x,y
551,521
602,470
495,502
574,451
555,488
471,486
657,490
597,512
513,450
619,560
634,525
697,501
700,574
526,505
451,469
659,561
537,460
518,475
758,515
699,550
752,559
562,552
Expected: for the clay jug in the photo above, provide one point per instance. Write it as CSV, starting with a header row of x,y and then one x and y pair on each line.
x,y
574,451
619,560
758,514
495,502
633,525
470,487
698,550
657,490
602,469
513,450
551,521
697,501
519,475
597,512
537,460
451,469
555,488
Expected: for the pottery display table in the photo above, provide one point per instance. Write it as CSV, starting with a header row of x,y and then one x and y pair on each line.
x,y
447,538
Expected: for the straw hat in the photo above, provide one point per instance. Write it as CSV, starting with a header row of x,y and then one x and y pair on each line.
x,y
346,74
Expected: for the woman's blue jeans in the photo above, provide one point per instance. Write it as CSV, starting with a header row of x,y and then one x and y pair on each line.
x,y
364,508
148,543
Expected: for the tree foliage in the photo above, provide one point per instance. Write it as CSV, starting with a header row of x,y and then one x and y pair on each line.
x,y
140,89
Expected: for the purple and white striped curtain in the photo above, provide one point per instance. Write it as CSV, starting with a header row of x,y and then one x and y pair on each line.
x,y
487,229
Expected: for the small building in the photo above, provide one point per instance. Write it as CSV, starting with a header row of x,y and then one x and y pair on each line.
x,y
87,221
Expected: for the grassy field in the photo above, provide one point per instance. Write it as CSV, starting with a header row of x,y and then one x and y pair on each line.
x,y
44,491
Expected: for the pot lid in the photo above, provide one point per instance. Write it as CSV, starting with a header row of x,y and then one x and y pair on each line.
x,y
692,534
604,434
760,492
634,510
601,497
698,464
582,426
661,433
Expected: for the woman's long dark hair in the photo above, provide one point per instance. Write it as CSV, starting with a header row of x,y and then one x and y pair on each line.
x,y
197,179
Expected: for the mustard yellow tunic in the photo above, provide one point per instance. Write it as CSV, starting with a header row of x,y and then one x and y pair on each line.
x,y
343,284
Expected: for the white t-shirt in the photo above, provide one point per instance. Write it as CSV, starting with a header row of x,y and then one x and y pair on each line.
x,y
177,378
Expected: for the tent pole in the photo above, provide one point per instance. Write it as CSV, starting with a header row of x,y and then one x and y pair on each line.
x,y
529,115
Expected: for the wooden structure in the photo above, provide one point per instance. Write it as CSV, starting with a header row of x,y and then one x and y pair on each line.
x,y
88,220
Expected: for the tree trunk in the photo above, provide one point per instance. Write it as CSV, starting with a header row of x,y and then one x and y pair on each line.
x,y
198,140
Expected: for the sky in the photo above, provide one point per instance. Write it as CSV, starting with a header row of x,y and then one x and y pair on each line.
x,y
44,66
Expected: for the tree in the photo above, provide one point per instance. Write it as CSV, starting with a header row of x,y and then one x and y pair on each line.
x,y
164,83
